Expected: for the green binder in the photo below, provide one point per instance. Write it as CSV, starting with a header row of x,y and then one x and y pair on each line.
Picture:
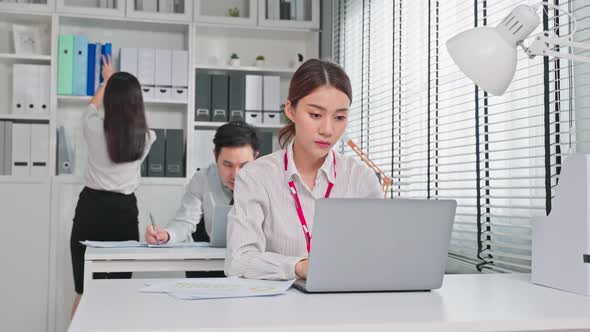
x,y
65,65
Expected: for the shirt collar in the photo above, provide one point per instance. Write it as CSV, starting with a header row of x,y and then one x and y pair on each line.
x,y
327,167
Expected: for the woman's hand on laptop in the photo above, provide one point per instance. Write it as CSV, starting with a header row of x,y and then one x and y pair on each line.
x,y
153,236
301,268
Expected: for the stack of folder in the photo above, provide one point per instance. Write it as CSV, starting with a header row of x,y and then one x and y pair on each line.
x,y
79,65
24,148
166,157
31,86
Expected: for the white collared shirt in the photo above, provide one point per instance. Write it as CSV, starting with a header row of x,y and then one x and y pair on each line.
x,y
265,238
101,172
184,224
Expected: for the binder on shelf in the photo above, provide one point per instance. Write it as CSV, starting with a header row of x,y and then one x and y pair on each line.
x,y
7,147
90,80
65,64
166,6
2,126
163,68
32,90
80,70
146,62
163,93
64,163
219,97
21,149
157,155
174,153
148,5
19,87
265,143
180,68
237,115
148,92
271,96
39,149
253,101
203,148
237,90
44,88
202,97
128,60
253,117
106,50
180,94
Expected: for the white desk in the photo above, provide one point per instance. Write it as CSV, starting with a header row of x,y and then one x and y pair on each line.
x,y
151,259
465,303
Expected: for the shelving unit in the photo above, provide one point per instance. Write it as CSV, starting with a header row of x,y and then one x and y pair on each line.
x,y
208,33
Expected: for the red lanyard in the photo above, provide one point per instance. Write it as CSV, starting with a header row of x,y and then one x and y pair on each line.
x,y
298,202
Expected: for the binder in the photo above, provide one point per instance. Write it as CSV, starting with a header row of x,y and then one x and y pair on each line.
x,y
219,97
180,68
202,97
21,149
163,68
203,148
64,163
174,153
148,92
253,93
301,10
2,126
166,6
44,89
7,148
90,87
105,50
32,93
39,149
146,62
80,70
237,90
265,143
65,64
163,93
128,60
271,96
149,5
19,86
179,94
157,155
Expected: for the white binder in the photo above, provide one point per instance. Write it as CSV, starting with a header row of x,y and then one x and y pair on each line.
x,y
179,68
32,89
253,93
149,5
44,89
146,63
163,67
203,148
39,149
166,6
21,149
128,60
271,97
19,86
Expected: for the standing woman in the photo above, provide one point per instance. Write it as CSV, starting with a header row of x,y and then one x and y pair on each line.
x,y
271,224
118,140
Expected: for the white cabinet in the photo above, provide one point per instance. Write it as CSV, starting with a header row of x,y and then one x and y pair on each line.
x,y
163,10
296,14
28,5
24,255
230,12
92,7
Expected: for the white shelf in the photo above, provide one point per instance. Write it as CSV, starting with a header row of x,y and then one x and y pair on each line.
x,y
86,99
255,28
288,71
25,117
214,125
25,57
23,179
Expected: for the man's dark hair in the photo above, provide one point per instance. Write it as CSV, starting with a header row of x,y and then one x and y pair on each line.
x,y
236,134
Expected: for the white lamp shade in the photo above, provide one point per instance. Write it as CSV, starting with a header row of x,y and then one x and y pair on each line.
x,y
485,57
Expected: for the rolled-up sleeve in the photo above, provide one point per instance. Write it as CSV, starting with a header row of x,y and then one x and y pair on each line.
x,y
246,254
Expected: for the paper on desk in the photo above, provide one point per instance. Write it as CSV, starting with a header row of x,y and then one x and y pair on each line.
x,y
136,244
217,288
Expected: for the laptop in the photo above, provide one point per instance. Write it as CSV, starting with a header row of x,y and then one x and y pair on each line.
x,y
370,245
218,237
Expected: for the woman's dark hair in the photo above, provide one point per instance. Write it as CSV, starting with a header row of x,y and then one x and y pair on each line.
x,y
236,134
313,74
125,126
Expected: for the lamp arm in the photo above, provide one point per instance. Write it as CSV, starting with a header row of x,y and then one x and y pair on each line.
x,y
385,180
543,44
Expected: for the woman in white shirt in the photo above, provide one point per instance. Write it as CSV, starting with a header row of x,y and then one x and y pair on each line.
x,y
118,140
270,226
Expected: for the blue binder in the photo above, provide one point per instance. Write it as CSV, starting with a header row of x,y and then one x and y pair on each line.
x,y
107,49
90,88
80,65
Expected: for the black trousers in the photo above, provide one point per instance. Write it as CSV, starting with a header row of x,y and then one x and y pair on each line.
x,y
101,216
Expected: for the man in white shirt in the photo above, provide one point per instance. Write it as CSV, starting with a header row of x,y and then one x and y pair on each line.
x,y
236,143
